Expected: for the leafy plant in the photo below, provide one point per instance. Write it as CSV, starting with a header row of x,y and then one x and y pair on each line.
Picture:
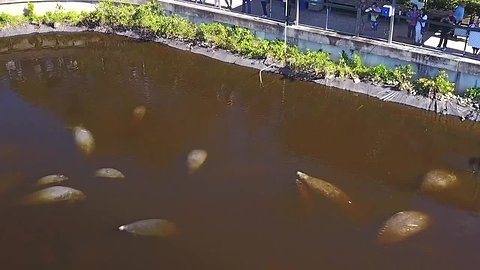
x,y
7,20
380,75
317,63
30,14
473,93
403,78
350,67
59,15
149,18
431,86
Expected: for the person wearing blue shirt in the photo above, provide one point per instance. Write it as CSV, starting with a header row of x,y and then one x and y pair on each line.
x,y
459,12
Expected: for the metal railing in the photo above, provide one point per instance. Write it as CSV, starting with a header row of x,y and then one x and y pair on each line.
x,y
350,20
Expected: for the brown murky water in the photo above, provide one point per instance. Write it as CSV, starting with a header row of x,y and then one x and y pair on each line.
x,y
242,209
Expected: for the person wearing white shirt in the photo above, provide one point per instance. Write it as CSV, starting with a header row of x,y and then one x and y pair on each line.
x,y
420,26
475,25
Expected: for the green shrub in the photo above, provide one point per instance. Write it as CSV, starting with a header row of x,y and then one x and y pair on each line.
x,y
214,34
350,67
7,20
317,63
380,75
30,14
149,18
473,93
241,40
277,51
176,27
111,14
403,78
61,16
432,86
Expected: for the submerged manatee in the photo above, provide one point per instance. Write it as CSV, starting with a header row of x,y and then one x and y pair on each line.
x,y
304,194
325,188
139,112
54,194
51,179
109,173
437,180
195,159
403,225
151,227
84,140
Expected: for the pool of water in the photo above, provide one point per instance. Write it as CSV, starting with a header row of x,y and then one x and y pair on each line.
x,y
242,208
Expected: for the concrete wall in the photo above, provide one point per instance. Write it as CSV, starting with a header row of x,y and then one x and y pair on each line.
x,y
463,71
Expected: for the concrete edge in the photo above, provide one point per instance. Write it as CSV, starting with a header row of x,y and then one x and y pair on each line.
x,y
448,107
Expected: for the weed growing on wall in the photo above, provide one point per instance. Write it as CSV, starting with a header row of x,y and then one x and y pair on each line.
x,y
473,93
437,85
150,20
7,20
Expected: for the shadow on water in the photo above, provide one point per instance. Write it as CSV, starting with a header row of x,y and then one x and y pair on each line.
x,y
242,208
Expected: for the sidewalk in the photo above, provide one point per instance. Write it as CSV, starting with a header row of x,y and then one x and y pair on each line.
x,y
344,21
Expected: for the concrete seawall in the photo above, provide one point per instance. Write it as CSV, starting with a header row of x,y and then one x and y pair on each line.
x,y
463,71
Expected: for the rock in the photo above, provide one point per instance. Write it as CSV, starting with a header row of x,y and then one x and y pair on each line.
x,y
151,227
438,180
325,189
195,159
51,179
53,195
403,225
109,173
84,140
139,112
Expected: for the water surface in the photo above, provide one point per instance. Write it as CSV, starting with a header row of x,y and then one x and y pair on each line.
x,y
242,209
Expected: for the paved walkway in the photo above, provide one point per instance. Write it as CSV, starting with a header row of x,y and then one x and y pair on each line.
x,y
344,21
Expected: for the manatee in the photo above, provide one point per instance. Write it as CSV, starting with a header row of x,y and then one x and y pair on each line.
x,y
109,173
53,195
325,188
438,180
139,112
84,139
302,189
305,195
195,159
51,179
151,227
403,225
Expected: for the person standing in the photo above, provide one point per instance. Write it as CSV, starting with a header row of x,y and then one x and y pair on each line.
x,y
264,7
459,12
229,4
412,21
475,25
247,6
449,22
288,5
373,14
420,26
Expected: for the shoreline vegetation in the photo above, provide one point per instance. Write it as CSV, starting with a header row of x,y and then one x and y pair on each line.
x,y
150,22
